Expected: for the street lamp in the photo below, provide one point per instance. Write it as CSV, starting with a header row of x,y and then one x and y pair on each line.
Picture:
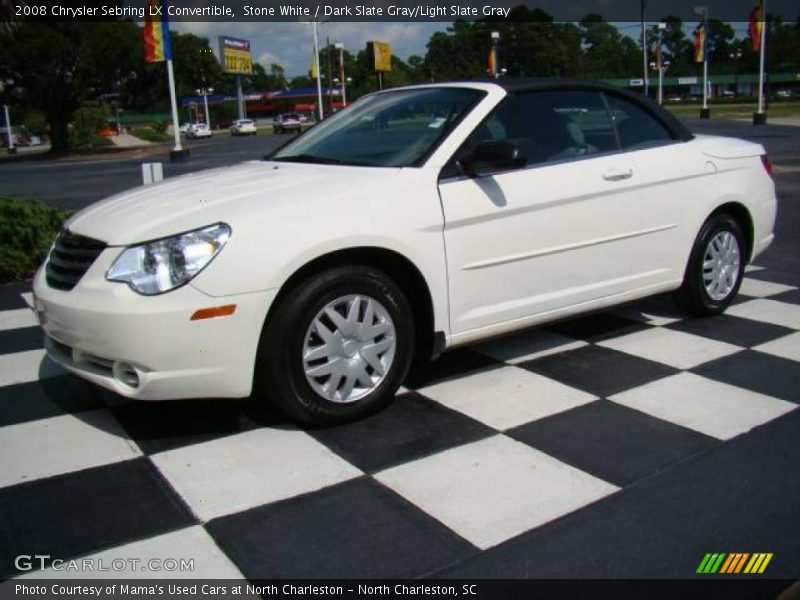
x,y
340,47
205,92
9,134
661,27
702,11
643,5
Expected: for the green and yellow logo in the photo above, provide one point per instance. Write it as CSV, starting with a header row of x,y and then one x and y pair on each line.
x,y
736,562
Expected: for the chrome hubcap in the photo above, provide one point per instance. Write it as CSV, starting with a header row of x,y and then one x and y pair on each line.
x,y
721,265
349,348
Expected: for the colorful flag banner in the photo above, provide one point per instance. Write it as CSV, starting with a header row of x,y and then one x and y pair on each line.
x,y
157,47
313,72
700,43
491,62
756,25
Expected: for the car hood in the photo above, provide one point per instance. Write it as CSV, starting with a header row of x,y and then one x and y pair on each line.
x,y
225,194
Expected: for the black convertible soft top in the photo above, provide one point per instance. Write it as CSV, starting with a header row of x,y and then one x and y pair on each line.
x,y
517,85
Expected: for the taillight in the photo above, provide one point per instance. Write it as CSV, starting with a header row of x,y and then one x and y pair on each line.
x,y
767,165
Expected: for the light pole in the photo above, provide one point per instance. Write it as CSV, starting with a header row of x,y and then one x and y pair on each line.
x,y
644,49
9,134
659,62
340,47
702,11
319,78
760,116
204,92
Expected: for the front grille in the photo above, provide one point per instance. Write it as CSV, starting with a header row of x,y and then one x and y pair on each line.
x,y
71,257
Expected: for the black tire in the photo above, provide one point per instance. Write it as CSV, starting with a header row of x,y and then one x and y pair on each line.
x,y
279,375
692,296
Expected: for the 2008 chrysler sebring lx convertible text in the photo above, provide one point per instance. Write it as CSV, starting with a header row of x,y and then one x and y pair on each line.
x,y
416,220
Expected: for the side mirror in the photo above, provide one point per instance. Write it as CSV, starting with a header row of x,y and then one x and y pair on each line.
x,y
491,156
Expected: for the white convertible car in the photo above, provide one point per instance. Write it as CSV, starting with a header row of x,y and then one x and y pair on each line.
x,y
416,220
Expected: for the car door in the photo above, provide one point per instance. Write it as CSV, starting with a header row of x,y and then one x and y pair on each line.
x,y
563,230
671,174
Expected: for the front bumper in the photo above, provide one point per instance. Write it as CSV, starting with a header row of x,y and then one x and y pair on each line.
x,y
146,347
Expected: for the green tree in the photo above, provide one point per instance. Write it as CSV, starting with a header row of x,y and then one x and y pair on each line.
x,y
57,66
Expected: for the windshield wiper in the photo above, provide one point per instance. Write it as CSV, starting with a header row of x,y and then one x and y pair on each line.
x,y
310,158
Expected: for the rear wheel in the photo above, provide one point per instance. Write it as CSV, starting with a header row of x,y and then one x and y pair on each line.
x,y
715,268
337,346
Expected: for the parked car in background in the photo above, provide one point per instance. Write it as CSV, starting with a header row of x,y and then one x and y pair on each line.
x,y
243,127
419,219
286,123
185,127
199,130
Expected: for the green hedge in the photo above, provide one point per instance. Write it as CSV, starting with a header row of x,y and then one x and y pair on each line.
x,y
27,229
149,134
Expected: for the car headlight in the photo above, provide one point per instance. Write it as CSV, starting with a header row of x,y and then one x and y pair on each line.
x,y
163,265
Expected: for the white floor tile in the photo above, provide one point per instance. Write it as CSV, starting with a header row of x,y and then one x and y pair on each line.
x,y
495,489
31,365
241,471
716,409
201,558
62,444
13,319
768,311
528,345
675,348
506,397
762,289
785,347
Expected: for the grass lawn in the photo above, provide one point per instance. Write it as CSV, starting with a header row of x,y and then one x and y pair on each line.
x,y
735,110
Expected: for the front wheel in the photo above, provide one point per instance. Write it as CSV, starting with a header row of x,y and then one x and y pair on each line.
x,y
337,346
715,269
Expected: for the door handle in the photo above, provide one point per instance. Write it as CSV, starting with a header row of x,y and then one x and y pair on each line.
x,y
618,174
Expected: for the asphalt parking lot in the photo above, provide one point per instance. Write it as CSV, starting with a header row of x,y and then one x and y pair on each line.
x,y
625,444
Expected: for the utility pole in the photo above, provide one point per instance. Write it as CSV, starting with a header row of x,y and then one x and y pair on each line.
x,y
644,49
702,11
330,72
660,62
340,47
319,80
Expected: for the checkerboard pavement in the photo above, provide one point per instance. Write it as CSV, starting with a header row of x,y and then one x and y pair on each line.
x,y
608,431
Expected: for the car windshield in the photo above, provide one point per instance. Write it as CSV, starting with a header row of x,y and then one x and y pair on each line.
x,y
391,129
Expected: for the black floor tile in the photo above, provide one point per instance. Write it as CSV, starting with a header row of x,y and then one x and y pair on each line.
x,y
662,305
741,496
597,327
357,529
77,513
612,442
412,427
450,364
791,297
160,426
46,398
733,330
762,373
775,276
11,295
21,339
599,371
